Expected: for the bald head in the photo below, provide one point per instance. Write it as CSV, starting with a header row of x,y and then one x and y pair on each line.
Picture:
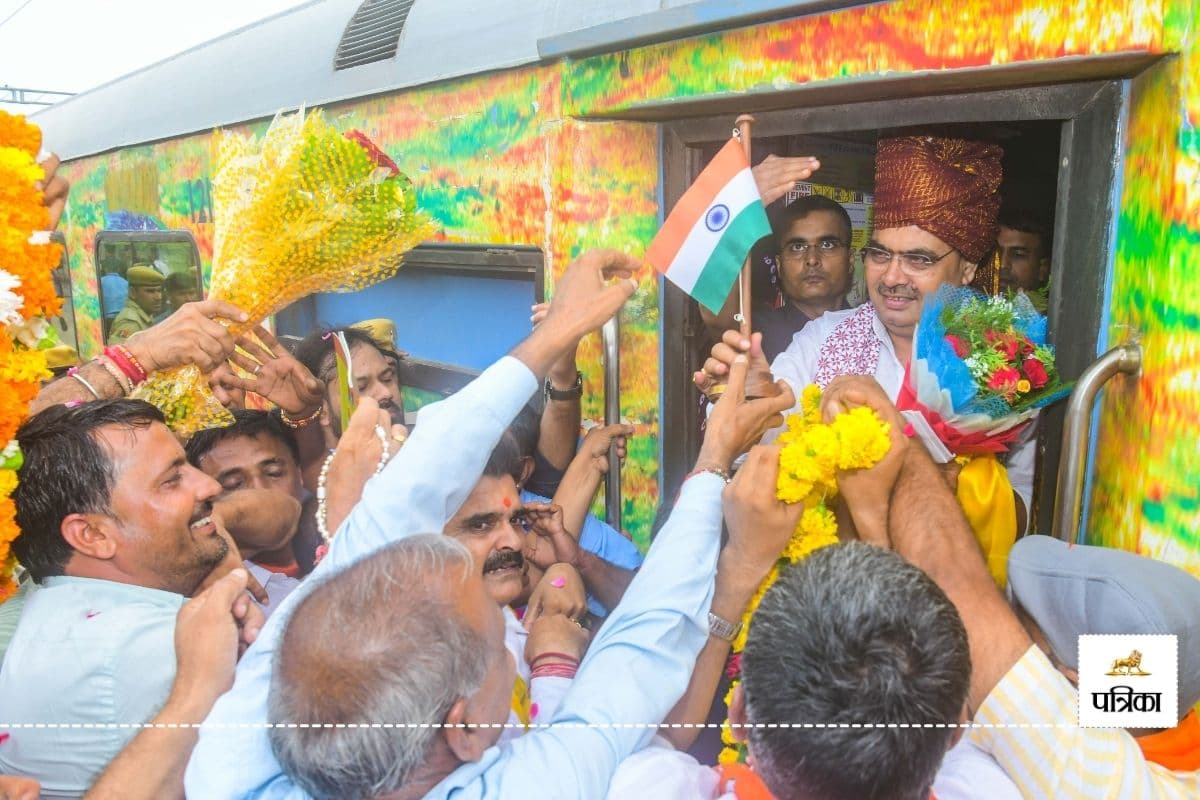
x,y
384,641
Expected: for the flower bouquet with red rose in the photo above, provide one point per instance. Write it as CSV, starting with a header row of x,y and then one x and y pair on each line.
x,y
980,371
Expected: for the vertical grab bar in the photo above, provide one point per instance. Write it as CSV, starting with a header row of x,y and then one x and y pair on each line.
x,y
610,335
1126,360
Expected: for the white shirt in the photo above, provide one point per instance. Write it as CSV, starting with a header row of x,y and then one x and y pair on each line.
x,y
798,366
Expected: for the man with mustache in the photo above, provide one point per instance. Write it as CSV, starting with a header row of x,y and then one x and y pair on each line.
x,y
936,202
117,531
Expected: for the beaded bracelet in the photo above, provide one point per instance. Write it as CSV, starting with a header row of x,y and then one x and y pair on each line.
x,y
322,495
137,365
304,422
720,473
120,357
123,381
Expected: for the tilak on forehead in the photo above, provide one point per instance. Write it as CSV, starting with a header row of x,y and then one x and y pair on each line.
x,y
947,187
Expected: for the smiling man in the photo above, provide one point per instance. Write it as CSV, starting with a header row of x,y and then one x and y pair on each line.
x,y
936,202
117,531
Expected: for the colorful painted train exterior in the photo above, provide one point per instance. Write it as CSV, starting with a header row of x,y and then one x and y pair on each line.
x,y
579,148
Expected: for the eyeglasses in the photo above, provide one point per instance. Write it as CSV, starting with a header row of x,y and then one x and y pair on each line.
x,y
910,263
822,248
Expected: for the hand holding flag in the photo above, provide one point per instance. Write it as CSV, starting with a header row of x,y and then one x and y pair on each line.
x,y
706,237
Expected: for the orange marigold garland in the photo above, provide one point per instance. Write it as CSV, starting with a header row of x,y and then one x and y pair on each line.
x,y
26,296
812,454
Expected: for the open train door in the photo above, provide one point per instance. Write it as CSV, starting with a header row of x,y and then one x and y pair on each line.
x,y
1063,140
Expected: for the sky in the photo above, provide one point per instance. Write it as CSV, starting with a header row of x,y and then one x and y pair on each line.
x,y
75,45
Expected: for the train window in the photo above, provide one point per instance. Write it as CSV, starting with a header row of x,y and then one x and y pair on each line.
x,y
456,309
143,277
64,323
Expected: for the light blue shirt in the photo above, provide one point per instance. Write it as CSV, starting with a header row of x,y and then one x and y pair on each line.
x,y
602,540
635,671
85,651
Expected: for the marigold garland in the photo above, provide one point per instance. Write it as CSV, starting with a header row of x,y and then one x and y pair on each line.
x,y
813,452
26,261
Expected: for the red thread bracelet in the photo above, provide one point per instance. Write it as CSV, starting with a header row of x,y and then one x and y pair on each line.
x,y
120,356
542,656
554,671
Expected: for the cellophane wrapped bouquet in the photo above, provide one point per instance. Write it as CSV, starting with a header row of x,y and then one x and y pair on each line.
x,y
304,208
980,370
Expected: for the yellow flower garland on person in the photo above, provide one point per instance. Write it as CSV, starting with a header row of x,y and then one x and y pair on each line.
x,y
812,454
26,261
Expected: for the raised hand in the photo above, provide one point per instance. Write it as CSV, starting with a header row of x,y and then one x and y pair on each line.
x,y
274,374
759,381
591,290
360,451
759,523
210,629
560,591
775,175
555,633
54,189
549,541
596,444
189,336
737,423
868,492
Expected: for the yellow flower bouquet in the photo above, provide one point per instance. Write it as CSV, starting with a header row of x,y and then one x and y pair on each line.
x,y
303,209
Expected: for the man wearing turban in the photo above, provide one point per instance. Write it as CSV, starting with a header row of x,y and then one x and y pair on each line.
x,y
936,202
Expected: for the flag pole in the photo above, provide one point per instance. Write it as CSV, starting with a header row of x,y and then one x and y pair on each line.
x,y
742,131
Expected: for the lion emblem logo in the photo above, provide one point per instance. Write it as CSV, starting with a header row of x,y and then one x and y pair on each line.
x,y
1130,665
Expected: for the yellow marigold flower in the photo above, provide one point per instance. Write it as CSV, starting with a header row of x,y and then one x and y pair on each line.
x,y
1023,386
794,427
727,734
864,438
810,404
8,482
728,755
20,166
824,448
817,528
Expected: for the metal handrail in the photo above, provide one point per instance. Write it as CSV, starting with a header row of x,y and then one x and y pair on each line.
x,y
610,334
1125,360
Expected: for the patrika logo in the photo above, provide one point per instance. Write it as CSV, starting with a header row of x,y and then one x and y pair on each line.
x,y
1130,665
1121,691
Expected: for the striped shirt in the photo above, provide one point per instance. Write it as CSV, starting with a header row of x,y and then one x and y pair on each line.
x,y
1065,761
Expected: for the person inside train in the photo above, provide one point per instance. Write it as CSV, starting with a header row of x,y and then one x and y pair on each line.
x,y
1024,241
145,301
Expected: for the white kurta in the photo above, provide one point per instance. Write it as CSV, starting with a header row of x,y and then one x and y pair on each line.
x,y
798,366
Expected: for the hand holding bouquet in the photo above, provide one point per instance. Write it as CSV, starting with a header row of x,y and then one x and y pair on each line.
x,y
303,209
980,370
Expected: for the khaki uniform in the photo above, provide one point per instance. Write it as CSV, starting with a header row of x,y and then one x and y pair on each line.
x,y
128,321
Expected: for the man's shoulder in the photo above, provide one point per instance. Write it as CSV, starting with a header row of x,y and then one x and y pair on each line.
x,y
96,609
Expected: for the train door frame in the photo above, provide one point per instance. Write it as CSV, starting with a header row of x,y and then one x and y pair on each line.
x,y
1091,115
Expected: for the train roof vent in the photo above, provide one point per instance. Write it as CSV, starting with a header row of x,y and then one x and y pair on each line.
x,y
373,33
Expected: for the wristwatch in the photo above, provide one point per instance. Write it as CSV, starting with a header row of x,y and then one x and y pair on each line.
x,y
574,393
722,628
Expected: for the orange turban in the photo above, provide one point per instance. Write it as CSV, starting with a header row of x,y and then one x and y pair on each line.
x,y
948,187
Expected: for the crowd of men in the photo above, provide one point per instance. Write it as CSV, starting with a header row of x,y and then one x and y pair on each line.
x,y
370,611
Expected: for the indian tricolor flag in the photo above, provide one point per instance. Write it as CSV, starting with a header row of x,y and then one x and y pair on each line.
x,y
705,239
